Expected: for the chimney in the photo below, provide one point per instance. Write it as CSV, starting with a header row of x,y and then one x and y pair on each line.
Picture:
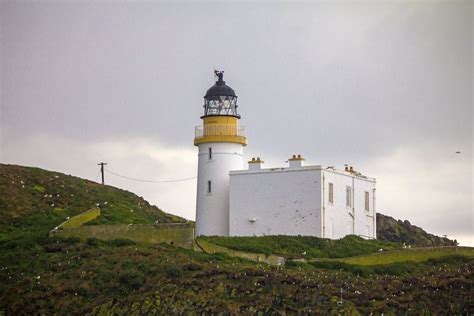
x,y
255,164
296,161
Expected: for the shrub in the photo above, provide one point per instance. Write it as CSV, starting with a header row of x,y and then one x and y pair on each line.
x,y
192,267
132,279
173,272
120,242
450,259
71,240
92,241
219,256
298,264
397,268
337,265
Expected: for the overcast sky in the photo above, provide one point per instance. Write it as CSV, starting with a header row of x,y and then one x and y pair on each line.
x,y
384,86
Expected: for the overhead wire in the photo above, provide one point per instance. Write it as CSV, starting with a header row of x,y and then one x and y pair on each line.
x,y
151,181
97,176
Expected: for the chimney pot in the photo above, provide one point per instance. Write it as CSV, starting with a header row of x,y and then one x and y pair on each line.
x,y
255,164
296,162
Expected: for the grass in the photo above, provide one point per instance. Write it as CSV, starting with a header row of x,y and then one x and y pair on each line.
x,y
258,257
124,277
30,191
412,255
303,246
395,268
34,201
179,234
42,275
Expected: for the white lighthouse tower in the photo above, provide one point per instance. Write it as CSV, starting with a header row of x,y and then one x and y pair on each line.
x,y
221,141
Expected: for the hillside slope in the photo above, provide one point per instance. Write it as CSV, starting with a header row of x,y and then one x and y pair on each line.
x,y
66,276
390,229
28,191
33,201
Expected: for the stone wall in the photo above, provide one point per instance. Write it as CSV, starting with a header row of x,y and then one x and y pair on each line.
x,y
177,234
81,219
210,248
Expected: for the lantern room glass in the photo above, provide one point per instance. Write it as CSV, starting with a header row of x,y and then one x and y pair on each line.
x,y
221,105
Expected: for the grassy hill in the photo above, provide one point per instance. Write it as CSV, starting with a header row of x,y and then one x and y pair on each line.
x,y
43,275
34,201
32,191
390,229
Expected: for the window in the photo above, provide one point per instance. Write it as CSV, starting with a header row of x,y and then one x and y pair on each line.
x,y
209,187
348,196
210,153
367,201
331,193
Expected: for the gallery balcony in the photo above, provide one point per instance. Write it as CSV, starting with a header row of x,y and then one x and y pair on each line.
x,y
224,133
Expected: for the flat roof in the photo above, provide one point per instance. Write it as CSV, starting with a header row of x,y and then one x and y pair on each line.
x,y
303,168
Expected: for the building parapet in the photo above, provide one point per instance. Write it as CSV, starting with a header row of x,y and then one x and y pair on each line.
x,y
303,168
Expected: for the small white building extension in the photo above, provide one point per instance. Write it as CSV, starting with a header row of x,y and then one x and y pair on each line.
x,y
295,200
301,200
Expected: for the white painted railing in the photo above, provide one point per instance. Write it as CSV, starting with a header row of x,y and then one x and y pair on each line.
x,y
219,130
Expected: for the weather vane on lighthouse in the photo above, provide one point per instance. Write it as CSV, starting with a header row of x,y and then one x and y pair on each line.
x,y
219,74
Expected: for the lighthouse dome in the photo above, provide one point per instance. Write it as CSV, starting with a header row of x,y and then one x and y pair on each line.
x,y
220,99
219,89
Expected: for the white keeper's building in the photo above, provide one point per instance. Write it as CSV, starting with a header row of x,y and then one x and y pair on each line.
x,y
296,199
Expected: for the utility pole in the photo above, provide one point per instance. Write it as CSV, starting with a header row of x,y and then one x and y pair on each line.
x,y
102,164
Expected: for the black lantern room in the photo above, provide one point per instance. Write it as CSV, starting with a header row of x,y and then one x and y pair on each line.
x,y
220,99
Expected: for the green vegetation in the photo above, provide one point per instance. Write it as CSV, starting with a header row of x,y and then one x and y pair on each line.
x,y
181,234
389,229
34,201
395,268
28,192
121,277
70,275
412,255
303,246
211,248
81,219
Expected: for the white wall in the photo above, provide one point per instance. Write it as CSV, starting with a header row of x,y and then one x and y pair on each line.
x,y
364,220
285,202
340,220
212,209
293,202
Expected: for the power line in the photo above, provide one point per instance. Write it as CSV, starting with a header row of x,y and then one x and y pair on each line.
x,y
97,176
153,181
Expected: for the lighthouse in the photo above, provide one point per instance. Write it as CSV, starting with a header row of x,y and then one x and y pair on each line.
x,y
220,140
